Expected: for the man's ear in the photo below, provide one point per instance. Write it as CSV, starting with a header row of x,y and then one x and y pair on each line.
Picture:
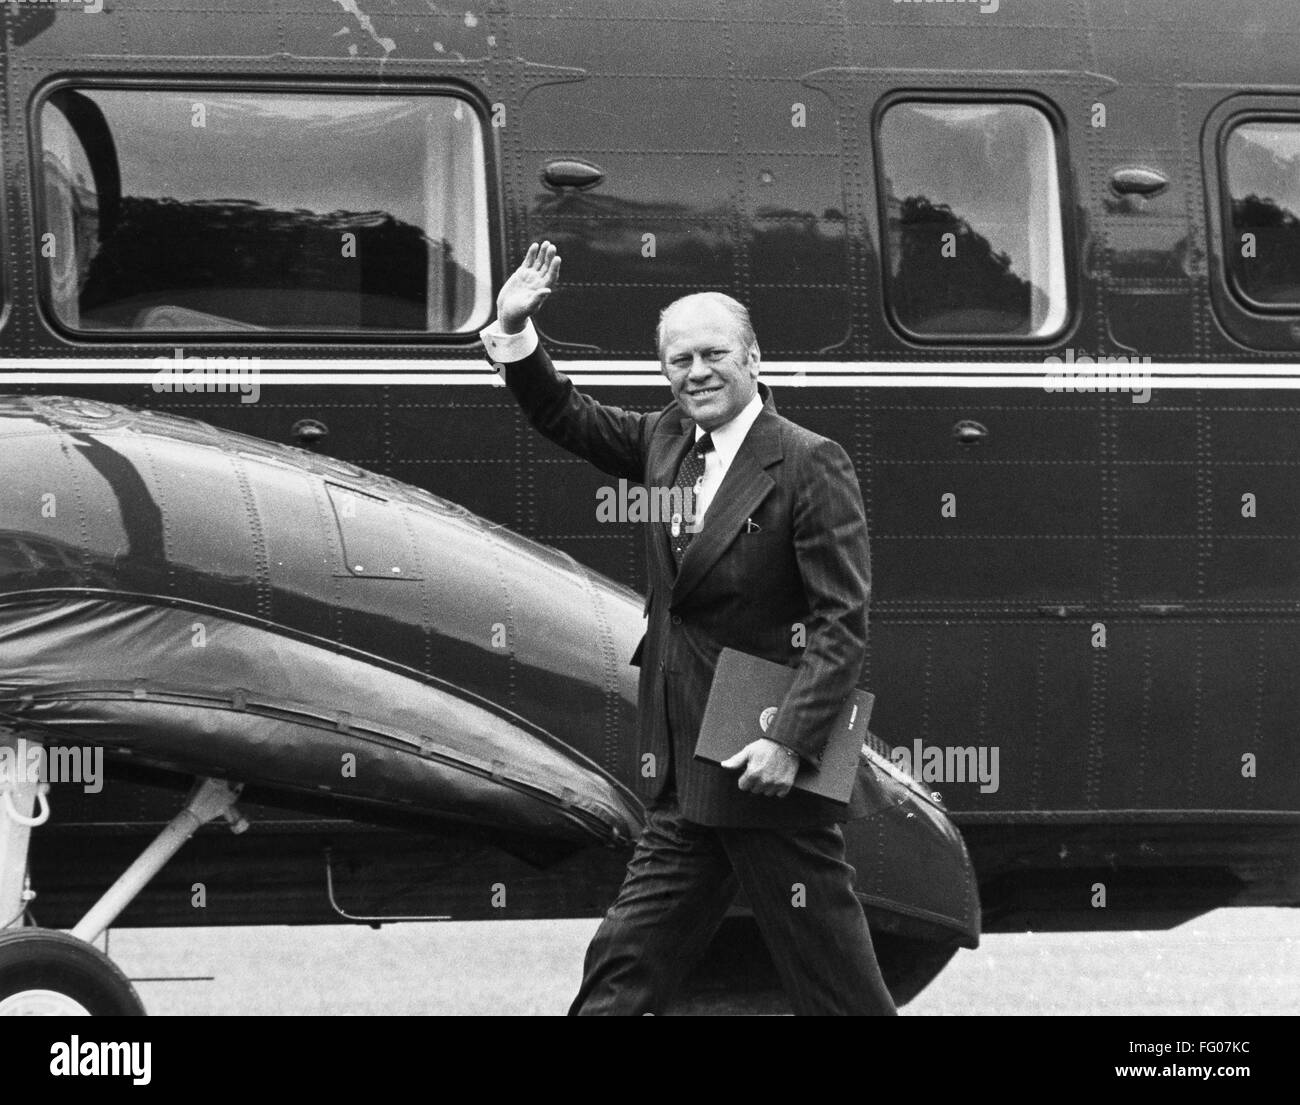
x,y
755,359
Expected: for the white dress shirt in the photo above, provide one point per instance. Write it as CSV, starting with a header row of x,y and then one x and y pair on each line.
x,y
726,444
505,348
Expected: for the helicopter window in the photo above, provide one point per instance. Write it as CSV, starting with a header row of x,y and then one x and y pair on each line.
x,y
1262,169
4,253
971,211
244,212
69,234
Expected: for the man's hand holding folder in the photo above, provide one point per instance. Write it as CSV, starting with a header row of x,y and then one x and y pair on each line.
x,y
770,768
743,702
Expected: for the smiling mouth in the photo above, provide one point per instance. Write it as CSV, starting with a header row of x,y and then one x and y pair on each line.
x,y
700,393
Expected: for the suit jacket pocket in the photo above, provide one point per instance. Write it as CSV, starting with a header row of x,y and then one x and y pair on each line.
x,y
761,548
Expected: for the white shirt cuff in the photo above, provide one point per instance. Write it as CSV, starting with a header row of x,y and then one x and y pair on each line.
x,y
505,348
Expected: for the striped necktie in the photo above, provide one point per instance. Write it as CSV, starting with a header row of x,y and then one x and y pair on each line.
x,y
690,476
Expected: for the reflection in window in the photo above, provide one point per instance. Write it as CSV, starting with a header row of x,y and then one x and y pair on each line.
x,y
1263,175
244,211
4,252
973,233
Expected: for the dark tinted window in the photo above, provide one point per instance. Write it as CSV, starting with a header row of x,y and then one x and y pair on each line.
x,y
1262,165
972,219
246,211
4,253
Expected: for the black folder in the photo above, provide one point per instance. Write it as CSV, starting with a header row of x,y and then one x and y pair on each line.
x,y
746,693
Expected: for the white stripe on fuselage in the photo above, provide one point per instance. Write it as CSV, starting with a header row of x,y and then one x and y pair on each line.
x,y
814,374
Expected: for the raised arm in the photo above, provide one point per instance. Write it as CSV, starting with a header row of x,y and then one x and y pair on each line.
x,y
612,439
526,290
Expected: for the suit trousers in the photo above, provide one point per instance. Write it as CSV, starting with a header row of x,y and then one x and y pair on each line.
x,y
681,881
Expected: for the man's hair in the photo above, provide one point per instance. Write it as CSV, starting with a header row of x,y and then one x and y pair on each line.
x,y
738,311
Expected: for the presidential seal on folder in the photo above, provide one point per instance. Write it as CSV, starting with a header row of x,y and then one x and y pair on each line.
x,y
743,702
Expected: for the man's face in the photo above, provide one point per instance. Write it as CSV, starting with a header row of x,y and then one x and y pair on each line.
x,y
711,373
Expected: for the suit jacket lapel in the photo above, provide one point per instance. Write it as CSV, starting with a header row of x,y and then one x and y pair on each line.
x,y
746,484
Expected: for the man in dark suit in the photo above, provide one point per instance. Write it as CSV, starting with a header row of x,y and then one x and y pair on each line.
x,y
769,557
